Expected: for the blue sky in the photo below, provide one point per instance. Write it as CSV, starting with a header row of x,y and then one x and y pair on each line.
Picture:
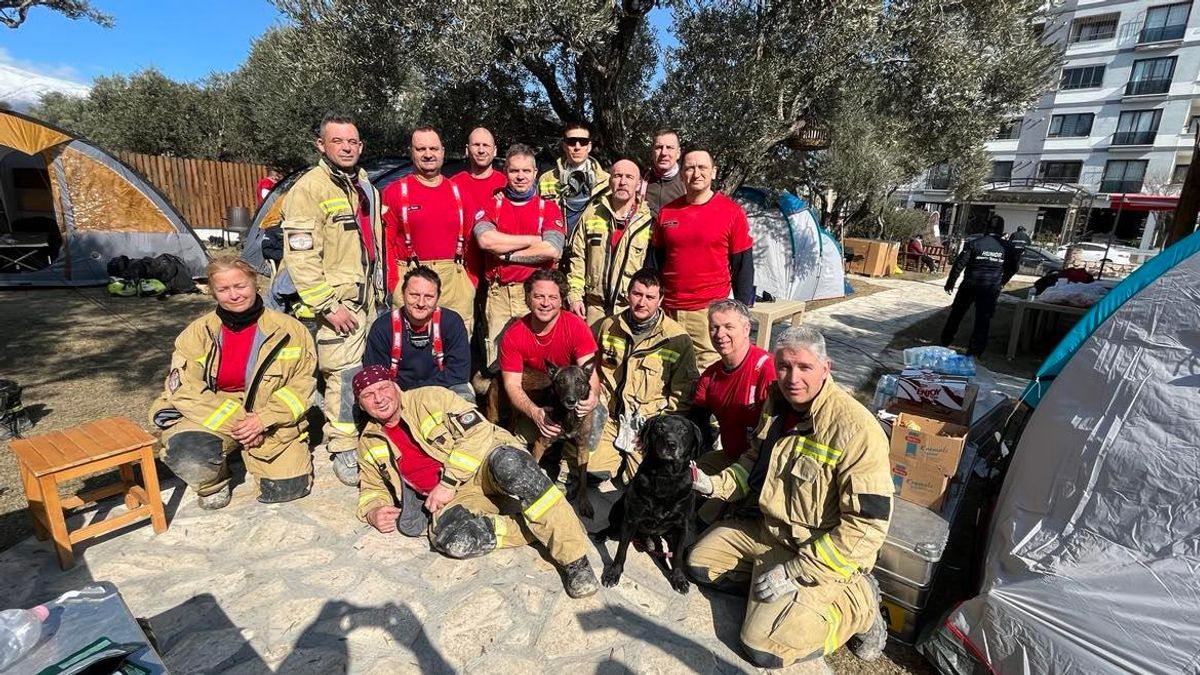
x,y
185,39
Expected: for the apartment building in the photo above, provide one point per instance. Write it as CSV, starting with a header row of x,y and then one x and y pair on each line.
x,y
1122,120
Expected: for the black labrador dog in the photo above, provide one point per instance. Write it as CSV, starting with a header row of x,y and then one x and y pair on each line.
x,y
660,501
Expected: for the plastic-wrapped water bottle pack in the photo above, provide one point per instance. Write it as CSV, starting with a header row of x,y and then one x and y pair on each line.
x,y
942,360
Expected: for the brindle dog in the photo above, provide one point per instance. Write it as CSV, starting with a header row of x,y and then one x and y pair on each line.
x,y
561,390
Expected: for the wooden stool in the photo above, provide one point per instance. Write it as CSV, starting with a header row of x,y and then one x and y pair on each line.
x,y
765,314
53,458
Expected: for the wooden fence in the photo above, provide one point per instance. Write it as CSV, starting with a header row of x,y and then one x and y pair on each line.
x,y
200,189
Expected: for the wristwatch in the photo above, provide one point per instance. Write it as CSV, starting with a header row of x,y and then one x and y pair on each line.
x,y
507,257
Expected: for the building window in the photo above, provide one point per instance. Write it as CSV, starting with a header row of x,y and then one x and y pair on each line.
x,y
1082,78
1090,28
1137,127
939,176
1009,130
1165,22
1123,175
1179,175
1001,172
1075,125
1150,76
1062,172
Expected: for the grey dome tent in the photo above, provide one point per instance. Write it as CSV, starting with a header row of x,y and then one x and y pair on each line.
x,y
1093,559
68,207
794,257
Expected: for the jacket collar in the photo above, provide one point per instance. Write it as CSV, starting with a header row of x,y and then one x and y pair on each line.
x,y
642,211
339,176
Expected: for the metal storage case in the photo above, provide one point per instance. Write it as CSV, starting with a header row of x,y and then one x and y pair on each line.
x,y
912,553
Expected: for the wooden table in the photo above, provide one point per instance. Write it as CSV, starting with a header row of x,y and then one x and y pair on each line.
x,y
765,314
1040,311
49,459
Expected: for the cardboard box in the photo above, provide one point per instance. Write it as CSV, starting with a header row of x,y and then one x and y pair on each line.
x,y
950,398
919,484
872,257
936,445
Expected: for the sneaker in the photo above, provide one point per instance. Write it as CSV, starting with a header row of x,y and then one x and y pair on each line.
x,y
217,500
345,467
579,580
868,645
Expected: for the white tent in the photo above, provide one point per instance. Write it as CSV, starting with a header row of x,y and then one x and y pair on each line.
x,y
794,257
1093,560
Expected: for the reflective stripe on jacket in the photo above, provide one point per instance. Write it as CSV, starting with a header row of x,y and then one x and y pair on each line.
x,y
280,376
598,270
656,375
446,427
826,496
323,249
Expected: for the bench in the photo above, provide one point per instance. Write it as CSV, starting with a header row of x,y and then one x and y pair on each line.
x,y
765,314
48,460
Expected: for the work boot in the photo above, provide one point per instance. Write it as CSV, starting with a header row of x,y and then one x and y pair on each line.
x,y
869,644
217,500
579,580
345,467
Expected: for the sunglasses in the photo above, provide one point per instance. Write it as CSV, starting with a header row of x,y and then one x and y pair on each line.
x,y
576,141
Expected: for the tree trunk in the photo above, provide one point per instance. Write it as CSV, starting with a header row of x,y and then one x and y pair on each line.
x,y
1184,222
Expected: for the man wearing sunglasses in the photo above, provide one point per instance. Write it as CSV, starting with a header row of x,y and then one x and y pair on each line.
x,y
577,180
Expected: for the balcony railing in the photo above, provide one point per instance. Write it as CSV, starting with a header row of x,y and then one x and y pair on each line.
x,y
938,183
1119,186
1162,33
1134,137
998,178
1144,87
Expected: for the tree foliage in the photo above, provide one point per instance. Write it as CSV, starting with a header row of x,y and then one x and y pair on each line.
x,y
898,84
14,12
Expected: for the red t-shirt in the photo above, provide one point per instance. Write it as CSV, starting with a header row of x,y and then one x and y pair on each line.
x,y
698,240
568,341
235,354
479,191
417,469
736,398
535,216
435,221
264,188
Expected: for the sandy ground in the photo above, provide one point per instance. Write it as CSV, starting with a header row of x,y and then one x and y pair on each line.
x,y
81,354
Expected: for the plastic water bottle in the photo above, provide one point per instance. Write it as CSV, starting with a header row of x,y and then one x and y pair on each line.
x,y
20,630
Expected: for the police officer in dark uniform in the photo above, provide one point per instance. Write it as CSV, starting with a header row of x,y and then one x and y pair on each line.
x,y
1020,239
986,263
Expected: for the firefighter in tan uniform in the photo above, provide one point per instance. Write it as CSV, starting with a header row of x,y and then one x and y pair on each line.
x,y
816,495
609,245
241,377
334,253
647,368
577,180
484,490
428,221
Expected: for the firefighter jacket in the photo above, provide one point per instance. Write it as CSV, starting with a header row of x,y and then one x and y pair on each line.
x,y
447,428
656,375
827,496
550,185
600,272
280,377
324,251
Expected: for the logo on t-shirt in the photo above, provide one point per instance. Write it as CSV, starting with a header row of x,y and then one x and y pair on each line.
x,y
414,207
666,225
